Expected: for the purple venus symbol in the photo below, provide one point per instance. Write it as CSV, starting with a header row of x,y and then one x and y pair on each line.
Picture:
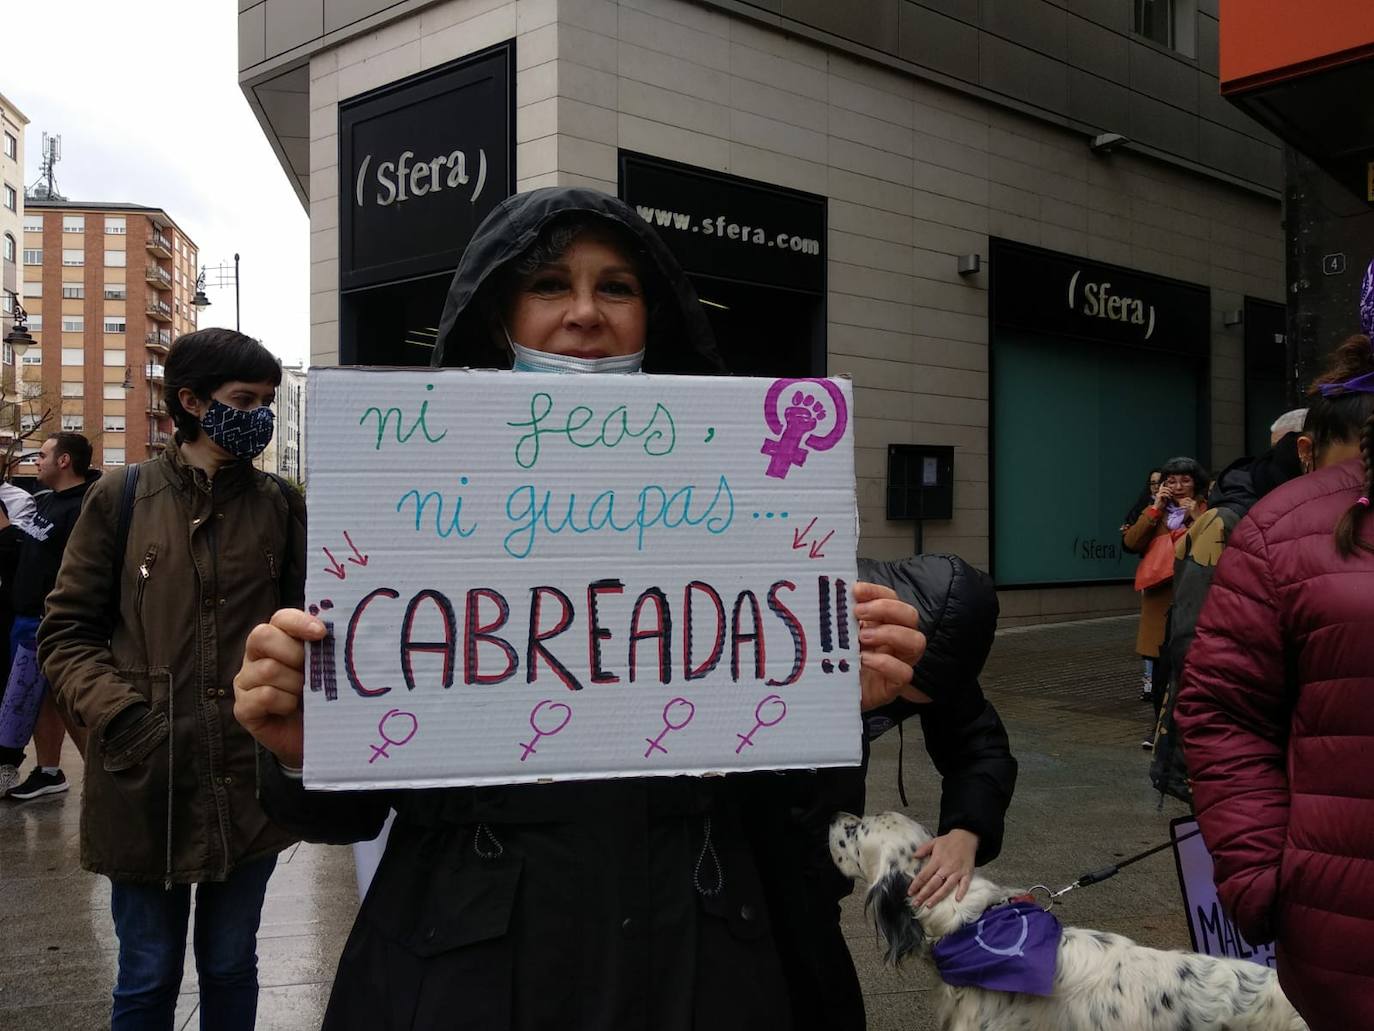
x,y
795,429
396,717
541,722
685,711
777,705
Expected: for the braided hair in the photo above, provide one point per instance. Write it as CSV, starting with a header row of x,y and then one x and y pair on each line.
x,y
1346,416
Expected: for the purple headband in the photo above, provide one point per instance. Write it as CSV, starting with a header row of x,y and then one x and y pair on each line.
x,y
1363,384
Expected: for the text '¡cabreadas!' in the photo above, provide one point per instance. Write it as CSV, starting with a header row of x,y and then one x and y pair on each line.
x,y
650,637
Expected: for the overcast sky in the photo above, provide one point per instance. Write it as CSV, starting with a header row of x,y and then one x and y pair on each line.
x,y
145,95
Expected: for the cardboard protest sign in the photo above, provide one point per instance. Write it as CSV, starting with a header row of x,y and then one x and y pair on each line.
x,y
530,577
1211,929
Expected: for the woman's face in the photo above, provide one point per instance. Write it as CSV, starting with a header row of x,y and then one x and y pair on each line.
x,y
589,303
1155,480
1182,486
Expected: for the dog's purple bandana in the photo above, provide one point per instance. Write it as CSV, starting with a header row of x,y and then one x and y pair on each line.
x,y
1012,948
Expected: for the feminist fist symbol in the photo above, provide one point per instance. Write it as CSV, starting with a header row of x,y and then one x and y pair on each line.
x,y
796,429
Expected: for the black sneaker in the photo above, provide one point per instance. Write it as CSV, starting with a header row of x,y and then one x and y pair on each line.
x,y
39,783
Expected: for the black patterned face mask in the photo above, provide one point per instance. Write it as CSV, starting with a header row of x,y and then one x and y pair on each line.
x,y
244,434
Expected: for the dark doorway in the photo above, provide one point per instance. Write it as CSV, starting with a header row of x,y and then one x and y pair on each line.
x,y
392,325
764,330
1266,371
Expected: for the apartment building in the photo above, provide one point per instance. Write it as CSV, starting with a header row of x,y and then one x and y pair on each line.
x,y
1046,250
290,435
108,287
12,123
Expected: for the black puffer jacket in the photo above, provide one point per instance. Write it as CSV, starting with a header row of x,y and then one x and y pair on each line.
x,y
963,733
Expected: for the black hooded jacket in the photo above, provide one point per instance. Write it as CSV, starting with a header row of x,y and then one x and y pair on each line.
x,y
1240,485
42,543
677,904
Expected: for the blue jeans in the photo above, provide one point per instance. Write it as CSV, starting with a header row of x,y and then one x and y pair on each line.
x,y
151,924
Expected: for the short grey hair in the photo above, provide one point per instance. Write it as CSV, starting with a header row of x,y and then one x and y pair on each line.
x,y
1289,422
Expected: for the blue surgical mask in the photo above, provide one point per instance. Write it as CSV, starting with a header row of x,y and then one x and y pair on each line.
x,y
243,433
527,359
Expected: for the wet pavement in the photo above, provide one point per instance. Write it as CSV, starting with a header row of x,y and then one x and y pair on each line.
x,y
1067,692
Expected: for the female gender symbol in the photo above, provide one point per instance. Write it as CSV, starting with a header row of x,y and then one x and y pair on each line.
x,y
748,739
668,724
380,751
544,731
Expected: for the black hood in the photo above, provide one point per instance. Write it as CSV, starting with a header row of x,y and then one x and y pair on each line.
x,y
1246,480
680,338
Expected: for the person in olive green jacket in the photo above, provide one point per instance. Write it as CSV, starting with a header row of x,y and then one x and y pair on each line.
x,y
146,664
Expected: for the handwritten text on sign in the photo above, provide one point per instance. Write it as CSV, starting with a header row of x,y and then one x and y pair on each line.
x,y
529,577
1211,929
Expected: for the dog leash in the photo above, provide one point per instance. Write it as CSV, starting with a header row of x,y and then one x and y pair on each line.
x,y
1097,876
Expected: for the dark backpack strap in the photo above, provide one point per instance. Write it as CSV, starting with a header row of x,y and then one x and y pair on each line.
x,y
126,518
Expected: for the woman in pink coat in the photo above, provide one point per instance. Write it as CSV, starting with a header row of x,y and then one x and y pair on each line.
x,y
1276,710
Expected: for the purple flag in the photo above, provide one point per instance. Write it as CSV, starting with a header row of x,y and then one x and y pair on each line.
x,y
1367,302
1012,948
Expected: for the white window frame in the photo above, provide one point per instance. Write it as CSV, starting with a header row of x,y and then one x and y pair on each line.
x,y
73,291
73,388
11,248
33,288
73,257
116,324
115,225
114,357
11,198
115,392
11,146
73,357
33,222
114,423
73,223
74,422
33,255
32,357
116,292
73,323
116,258
114,455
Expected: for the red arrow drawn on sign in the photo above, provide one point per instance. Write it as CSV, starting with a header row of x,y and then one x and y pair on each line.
x,y
799,536
361,560
337,566
816,546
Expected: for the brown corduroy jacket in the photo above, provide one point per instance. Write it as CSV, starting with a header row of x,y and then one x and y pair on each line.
x,y
172,798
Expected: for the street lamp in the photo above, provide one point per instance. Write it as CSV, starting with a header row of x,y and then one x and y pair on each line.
x,y
18,337
222,273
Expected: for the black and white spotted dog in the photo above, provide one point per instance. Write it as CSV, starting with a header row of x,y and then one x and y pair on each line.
x,y
1102,982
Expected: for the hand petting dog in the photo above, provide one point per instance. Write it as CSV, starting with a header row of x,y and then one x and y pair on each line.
x,y
950,867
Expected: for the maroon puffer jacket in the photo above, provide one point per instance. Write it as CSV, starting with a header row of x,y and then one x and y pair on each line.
x,y
1276,714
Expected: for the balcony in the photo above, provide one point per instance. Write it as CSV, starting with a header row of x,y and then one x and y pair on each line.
x,y
155,407
158,276
158,308
156,371
158,439
159,244
158,339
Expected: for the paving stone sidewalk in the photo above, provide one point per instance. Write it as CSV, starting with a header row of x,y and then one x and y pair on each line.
x,y
1067,692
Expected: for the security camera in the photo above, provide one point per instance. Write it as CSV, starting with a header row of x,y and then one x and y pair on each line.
x,y
1105,143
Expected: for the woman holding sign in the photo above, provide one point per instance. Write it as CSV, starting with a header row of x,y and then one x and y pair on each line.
x,y
631,903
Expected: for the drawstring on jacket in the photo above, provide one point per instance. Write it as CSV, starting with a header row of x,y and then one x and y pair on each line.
x,y
708,848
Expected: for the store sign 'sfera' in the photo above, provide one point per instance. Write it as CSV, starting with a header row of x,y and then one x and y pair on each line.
x,y
405,178
421,163
1099,302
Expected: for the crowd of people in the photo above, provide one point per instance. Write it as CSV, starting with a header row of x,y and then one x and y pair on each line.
x,y
156,617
